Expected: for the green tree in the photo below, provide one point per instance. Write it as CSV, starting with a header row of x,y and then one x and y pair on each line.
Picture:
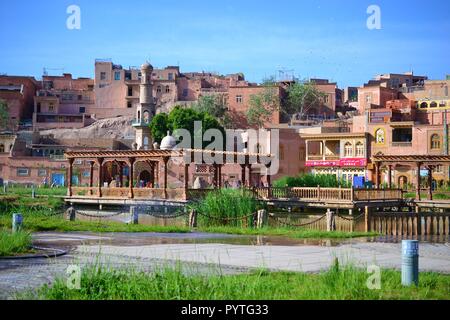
x,y
302,97
183,118
214,106
263,104
4,114
159,126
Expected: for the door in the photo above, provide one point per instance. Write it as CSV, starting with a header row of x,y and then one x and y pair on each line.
x,y
58,179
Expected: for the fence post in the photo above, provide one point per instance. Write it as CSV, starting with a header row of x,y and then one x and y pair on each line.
x,y
193,219
134,215
5,188
331,221
262,219
318,193
17,221
33,192
367,218
71,214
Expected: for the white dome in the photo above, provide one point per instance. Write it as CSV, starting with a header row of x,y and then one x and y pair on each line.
x,y
168,143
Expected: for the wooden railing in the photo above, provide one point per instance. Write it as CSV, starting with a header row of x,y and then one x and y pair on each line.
x,y
408,224
377,194
313,194
115,192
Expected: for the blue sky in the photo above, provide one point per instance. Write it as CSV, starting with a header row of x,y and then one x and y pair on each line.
x,y
316,38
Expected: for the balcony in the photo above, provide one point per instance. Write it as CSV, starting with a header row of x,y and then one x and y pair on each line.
x,y
402,144
140,123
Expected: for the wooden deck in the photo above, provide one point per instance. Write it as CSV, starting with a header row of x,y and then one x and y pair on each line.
x,y
303,197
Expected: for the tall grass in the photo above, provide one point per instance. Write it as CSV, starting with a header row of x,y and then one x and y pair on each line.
x,y
347,283
226,207
311,181
14,243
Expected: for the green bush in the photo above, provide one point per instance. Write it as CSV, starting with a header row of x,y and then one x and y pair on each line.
x,y
226,207
311,180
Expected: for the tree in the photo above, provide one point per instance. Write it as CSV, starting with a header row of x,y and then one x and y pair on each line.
x,y
4,115
263,104
159,126
302,97
183,118
214,106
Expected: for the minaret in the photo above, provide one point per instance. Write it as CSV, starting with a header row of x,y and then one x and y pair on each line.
x,y
145,111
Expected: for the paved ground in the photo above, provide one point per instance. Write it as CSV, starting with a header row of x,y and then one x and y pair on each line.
x,y
205,253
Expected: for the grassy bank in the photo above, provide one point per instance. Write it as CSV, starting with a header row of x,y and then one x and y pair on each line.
x,y
12,244
169,284
36,223
295,233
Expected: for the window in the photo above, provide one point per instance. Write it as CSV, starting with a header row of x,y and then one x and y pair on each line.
x,y
82,109
42,172
86,174
281,152
435,142
380,136
129,105
158,89
348,150
117,76
2,148
185,92
433,104
359,150
51,107
301,154
170,76
439,168
103,76
368,98
424,105
130,91
23,172
80,97
402,135
167,89
326,99
239,99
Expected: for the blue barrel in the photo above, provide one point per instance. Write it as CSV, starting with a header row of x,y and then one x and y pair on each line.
x,y
17,221
410,262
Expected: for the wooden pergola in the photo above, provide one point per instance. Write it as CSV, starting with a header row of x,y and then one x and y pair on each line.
x,y
156,158
415,161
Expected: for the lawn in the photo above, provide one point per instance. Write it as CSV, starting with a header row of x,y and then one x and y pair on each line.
x,y
346,283
12,244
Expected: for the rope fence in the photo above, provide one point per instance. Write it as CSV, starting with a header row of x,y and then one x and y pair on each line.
x,y
279,220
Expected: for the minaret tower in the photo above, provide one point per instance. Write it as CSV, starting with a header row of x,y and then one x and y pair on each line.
x,y
146,110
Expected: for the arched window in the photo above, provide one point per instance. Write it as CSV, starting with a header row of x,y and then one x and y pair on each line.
x,y
167,89
158,89
380,136
424,105
2,148
348,150
435,142
360,149
433,104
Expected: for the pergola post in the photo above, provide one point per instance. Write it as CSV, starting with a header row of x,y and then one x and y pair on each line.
x,y
131,172
377,174
430,182
100,176
219,173
418,196
69,178
186,181
249,181
91,177
243,174
390,176
166,160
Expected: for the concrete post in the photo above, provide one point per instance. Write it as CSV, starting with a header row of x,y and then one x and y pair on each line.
x,y
134,215
193,219
71,214
331,221
367,218
17,221
262,219
410,263
5,188
33,192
